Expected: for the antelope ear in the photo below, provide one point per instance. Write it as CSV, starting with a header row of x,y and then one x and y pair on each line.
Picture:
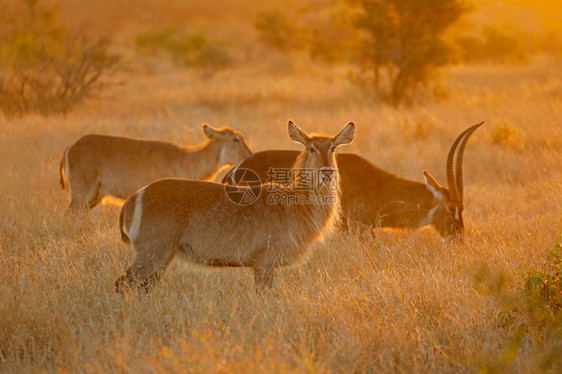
x,y
432,185
296,134
345,136
209,131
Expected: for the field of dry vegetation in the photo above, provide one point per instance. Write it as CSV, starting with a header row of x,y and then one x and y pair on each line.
x,y
397,302
392,302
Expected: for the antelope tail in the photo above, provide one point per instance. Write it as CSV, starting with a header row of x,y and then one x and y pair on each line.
x,y
124,236
61,169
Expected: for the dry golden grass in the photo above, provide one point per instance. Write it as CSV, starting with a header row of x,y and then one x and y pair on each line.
x,y
398,302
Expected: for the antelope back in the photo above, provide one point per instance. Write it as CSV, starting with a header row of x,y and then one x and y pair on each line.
x,y
97,166
369,194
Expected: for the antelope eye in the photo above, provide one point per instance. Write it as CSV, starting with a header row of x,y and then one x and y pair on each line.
x,y
236,140
311,150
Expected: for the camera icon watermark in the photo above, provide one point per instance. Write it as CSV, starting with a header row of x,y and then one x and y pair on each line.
x,y
245,187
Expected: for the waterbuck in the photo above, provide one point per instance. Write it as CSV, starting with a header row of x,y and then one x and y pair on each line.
x,y
374,197
198,221
101,165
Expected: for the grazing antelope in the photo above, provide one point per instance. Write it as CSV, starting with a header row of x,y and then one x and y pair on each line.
x,y
376,198
102,165
198,222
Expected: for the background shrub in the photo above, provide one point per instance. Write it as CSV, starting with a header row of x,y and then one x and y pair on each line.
x,y
544,287
506,44
193,50
46,68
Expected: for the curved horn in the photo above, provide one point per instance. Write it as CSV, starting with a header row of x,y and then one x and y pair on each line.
x,y
460,154
453,191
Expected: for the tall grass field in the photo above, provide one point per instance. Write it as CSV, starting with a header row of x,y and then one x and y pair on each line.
x,y
391,301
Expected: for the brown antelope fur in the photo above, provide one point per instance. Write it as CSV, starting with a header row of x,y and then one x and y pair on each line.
x,y
100,165
196,221
374,197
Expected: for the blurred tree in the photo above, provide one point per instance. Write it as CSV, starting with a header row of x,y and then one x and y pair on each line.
x,y
319,27
405,35
331,35
500,44
44,67
278,30
378,45
387,37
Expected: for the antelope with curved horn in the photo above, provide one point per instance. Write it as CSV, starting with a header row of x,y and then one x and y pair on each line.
x,y
198,221
101,165
376,198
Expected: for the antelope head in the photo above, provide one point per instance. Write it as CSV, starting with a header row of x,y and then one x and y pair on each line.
x,y
319,152
446,214
232,143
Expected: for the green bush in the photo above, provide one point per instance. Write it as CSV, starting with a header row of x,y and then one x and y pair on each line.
x,y
151,42
185,49
46,68
278,30
503,132
214,56
544,287
507,134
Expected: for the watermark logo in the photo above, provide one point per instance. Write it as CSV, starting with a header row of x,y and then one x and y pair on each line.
x,y
287,198
300,179
285,186
245,188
